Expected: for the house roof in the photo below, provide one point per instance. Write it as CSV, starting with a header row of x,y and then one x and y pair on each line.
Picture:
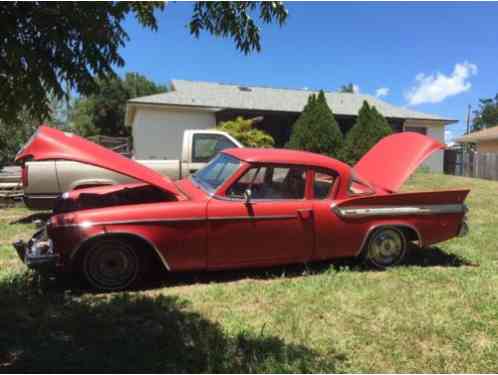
x,y
217,96
488,134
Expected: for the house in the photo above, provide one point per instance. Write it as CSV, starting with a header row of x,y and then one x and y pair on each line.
x,y
486,140
201,105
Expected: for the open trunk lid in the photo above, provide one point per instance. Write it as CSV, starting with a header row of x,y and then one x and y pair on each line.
x,y
394,158
52,144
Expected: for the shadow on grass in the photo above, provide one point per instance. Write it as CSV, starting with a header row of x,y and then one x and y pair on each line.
x,y
43,216
435,257
426,257
60,331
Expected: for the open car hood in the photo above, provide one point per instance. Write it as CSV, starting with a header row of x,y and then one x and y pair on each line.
x,y
394,158
52,144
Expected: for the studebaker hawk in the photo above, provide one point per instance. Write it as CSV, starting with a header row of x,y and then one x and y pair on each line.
x,y
246,208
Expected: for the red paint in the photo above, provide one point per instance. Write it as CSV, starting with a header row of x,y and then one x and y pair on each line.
x,y
213,231
391,161
52,144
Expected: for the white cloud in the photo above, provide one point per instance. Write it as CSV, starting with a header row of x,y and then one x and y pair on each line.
x,y
435,88
356,89
382,91
449,137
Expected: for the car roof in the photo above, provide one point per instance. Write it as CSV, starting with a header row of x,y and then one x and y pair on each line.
x,y
285,156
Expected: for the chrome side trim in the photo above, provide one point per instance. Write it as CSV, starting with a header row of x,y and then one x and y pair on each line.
x,y
371,229
261,217
159,254
88,224
398,210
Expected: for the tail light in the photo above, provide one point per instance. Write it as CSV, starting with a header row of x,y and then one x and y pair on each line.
x,y
24,175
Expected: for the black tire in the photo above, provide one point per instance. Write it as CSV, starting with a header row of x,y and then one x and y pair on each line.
x,y
385,247
111,264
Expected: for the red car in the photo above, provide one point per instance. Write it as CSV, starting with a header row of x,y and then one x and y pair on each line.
x,y
246,208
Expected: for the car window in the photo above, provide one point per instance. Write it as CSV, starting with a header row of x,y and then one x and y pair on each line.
x,y
217,171
205,146
359,187
322,184
268,182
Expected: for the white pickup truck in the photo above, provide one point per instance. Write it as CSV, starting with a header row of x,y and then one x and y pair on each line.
x,y
44,180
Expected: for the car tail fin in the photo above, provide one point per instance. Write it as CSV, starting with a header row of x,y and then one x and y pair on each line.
x,y
394,158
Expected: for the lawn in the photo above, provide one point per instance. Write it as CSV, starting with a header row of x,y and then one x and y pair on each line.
x,y
436,313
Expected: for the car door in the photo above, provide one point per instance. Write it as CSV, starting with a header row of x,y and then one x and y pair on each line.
x,y
274,227
333,235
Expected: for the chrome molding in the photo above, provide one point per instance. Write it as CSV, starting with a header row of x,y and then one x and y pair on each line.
x,y
367,211
88,224
260,217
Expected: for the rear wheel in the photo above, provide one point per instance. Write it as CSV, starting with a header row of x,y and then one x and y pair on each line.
x,y
386,247
111,264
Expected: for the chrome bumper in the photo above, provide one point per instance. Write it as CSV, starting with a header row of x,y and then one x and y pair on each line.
x,y
38,253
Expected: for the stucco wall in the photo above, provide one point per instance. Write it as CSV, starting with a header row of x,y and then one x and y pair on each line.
x,y
436,160
488,146
158,133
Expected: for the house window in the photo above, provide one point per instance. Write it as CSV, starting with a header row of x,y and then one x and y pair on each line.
x,y
416,129
208,145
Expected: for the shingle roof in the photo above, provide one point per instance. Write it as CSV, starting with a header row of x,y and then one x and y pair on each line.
x,y
217,95
489,134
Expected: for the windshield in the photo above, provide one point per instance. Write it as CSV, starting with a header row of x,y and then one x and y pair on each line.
x,y
216,172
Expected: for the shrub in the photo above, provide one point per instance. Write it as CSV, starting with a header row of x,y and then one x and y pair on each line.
x,y
241,129
370,127
316,129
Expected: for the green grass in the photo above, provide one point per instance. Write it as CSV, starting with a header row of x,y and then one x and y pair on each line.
x,y
437,313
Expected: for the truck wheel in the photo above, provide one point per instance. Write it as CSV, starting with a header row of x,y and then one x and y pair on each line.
x,y
386,247
111,264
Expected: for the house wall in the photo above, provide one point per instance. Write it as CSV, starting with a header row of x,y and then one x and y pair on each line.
x,y
158,133
436,161
488,146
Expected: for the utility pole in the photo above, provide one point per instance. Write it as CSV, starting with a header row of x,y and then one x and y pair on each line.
x,y
468,119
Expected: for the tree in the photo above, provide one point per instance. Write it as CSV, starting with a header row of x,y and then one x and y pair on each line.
x,y
103,113
487,114
241,129
316,129
370,127
13,137
349,88
49,48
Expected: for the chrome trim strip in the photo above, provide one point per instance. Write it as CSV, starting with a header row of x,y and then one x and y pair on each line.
x,y
88,224
261,217
398,210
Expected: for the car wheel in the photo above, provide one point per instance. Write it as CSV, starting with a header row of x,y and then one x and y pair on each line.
x,y
386,247
111,265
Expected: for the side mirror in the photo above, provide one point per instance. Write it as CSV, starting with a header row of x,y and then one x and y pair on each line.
x,y
247,195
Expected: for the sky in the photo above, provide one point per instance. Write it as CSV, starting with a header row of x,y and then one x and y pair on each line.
x,y
431,57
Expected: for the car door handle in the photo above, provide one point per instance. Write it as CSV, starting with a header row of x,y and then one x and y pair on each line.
x,y
305,213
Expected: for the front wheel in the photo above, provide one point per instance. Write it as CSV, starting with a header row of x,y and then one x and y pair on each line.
x,y
111,265
386,247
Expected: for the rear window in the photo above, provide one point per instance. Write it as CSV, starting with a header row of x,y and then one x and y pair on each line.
x,y
359,187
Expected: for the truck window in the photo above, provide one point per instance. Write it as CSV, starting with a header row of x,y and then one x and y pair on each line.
x,y
205,146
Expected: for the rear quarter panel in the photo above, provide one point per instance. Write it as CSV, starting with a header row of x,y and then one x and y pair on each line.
x,y
432,226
